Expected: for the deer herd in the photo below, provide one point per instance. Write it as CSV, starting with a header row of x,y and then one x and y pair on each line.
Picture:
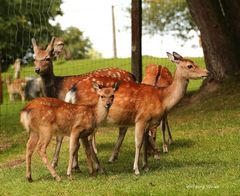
x,y
75,106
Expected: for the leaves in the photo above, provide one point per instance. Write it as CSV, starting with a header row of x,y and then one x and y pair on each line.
x,y
20,20
168,17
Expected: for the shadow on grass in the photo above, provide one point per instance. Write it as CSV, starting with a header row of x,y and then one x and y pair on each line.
x,y
181,143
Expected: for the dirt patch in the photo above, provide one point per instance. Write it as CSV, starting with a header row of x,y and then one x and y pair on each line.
x,y
13,163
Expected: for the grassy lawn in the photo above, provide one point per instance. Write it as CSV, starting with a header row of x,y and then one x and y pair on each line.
x,y
203,159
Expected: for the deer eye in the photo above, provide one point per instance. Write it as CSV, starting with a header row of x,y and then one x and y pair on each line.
x,y
112,96
102,97
47,59
190,66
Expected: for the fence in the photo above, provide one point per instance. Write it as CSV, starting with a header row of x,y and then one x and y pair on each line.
x,y
101,33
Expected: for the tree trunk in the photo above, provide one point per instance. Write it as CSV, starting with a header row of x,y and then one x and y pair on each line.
x,y
218,42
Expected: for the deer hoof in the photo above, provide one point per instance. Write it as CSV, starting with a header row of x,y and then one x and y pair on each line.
x,y
101,171
112,159
136,172
54,165
29,179
76,169
170,141
165,148
157,157
57,178
145,168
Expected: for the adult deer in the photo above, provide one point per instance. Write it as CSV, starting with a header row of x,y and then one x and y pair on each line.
x,y
159,76
58,86
144,106
47,117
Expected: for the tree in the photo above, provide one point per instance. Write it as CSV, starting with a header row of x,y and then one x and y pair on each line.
x,y
168,17
218,22
20,20
75,44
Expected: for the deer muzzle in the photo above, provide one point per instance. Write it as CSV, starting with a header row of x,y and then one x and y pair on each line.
x,y
37,70
108,105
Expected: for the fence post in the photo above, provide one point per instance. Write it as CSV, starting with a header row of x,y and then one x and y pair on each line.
x,y
137,39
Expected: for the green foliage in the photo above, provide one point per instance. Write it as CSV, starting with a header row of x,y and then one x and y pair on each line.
x,y
20,20
168,17
75,45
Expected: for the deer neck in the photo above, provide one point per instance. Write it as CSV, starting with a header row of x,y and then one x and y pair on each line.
x,y
48,83
100,112
175,92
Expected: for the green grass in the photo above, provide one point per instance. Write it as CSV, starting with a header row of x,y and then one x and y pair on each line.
x,y
203,160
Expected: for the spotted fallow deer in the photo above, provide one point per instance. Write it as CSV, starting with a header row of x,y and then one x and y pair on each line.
x,y
46,117
159,76
144,106
58,86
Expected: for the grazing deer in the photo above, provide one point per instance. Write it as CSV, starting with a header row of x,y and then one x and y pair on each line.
x,y
159,76
58,86
16,86
46,117
144,106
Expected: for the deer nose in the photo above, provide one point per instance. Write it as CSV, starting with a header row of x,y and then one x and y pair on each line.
x,y
37,70
108,105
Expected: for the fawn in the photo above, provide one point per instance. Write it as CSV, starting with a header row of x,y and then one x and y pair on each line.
x,y
46,117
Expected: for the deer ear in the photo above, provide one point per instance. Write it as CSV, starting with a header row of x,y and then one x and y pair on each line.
x,y
96,86
116,86
34,44
170,57
50,46
175,59
177,56
58,47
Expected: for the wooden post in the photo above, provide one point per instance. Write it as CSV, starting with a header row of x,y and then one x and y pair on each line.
x,y
137,39
114,34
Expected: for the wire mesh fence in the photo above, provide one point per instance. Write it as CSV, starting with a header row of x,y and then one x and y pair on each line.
x,y
100,31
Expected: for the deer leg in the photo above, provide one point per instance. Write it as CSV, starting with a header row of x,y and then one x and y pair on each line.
x,y
42,145
145,147
73,146
31,144
75,165
139,134
59,140
121,135
11,97
170,140
22,94
96,162
165,146
88,153
92,139
152,143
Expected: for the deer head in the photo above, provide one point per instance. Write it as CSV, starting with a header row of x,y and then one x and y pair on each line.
x,y
43,58
186,68
106,94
